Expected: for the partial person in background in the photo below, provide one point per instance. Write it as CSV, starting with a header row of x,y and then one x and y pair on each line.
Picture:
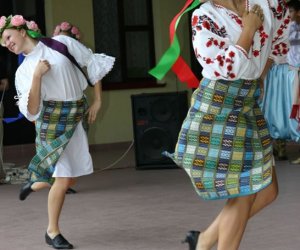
x,y
281,90
50,88
294,52
4,84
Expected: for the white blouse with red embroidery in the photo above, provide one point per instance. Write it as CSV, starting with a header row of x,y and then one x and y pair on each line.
x,y
216,31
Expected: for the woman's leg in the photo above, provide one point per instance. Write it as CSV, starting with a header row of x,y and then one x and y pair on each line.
x,y
233,221
36,186
56,199
209,237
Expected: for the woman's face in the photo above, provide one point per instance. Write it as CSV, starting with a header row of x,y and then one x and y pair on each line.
x,y
13,40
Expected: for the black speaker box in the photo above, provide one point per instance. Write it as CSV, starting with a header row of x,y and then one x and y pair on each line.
x,y
157,119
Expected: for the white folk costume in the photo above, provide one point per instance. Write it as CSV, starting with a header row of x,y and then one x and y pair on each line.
x,y
63,86
282,91
224,143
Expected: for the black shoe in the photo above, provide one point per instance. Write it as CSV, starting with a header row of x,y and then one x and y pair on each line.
x,y
25,191
71,191
59,242
192,239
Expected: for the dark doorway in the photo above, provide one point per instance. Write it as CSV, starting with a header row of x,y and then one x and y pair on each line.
x,y
21,131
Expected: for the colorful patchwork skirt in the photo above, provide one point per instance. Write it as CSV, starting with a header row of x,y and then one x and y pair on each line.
x,y
224,144
54,129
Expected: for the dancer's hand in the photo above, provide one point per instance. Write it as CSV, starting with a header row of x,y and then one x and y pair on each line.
x,y
254,18
42,68
93,111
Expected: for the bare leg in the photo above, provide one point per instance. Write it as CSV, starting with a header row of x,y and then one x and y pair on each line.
x,y
233,221
56,199
36,186
209,237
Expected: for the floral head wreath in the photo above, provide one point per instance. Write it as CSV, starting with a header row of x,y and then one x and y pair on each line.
x,y
19,22
70,29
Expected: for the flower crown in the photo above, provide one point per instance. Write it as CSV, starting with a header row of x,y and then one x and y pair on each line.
x,y
70,29
19,22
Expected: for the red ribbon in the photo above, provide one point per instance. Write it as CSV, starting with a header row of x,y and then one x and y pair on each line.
x,y
171,58
180,67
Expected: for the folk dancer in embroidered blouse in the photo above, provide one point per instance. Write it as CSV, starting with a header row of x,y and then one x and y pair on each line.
x,y
224,143
281,83
50,92
294,52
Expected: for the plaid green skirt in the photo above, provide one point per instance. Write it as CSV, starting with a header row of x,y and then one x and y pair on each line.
x,y
224,143
54,129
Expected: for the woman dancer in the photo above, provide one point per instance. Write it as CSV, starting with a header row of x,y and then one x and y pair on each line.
x,y
224,143
50,92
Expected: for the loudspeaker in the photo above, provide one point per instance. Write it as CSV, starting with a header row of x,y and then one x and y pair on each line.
x,y
157,119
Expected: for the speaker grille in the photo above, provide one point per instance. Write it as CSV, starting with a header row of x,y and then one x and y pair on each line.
x,y
153,142
157,119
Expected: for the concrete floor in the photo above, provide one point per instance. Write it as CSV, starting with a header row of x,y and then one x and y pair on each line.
x,y
127,209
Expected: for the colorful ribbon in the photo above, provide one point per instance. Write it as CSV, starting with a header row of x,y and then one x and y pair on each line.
x,y
171,58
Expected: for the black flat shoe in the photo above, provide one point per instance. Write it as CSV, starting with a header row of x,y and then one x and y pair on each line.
x,y
192,239
25,191
71,191
59,242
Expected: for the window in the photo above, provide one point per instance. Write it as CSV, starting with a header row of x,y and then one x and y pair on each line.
x,y
124,29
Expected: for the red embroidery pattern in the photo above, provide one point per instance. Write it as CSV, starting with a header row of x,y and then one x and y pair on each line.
x,y
281,9
236,19
204,22
200,22
227,62
281,29
280,49
263,36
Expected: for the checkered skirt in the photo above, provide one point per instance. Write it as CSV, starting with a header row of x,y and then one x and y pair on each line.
x,y
54,129
224,143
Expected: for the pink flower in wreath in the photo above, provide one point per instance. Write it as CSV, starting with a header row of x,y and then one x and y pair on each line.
x,y
65,26
32,26
2,22
17,20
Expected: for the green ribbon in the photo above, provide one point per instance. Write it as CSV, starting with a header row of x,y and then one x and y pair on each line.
x,y
172,53
34,34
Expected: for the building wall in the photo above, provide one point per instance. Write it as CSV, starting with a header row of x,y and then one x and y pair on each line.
x,y
114,123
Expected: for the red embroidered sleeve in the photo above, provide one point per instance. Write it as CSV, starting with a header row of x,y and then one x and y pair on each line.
x,y
214,50
280,36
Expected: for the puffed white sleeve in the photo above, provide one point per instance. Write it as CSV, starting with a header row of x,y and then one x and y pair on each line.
x,y
98,65
282,21
218,55
23,85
